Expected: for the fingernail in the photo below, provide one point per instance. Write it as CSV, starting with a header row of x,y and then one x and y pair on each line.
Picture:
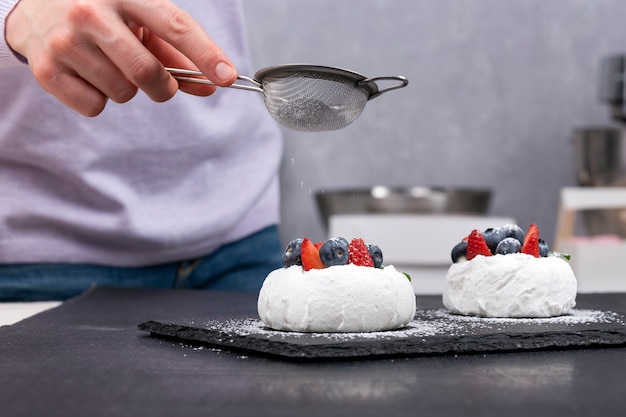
x,y
225,72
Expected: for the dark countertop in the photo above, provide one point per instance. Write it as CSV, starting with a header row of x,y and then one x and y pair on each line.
x,y
87,358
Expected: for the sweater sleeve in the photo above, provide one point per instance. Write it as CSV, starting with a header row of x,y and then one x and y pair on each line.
x,y
8,57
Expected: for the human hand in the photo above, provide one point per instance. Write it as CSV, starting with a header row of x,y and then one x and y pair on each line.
x,y
84,52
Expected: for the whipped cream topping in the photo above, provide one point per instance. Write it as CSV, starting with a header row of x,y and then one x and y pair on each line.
x,y
514,285
345,298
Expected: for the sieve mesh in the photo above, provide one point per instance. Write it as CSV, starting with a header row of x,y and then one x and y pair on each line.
x,y
312,101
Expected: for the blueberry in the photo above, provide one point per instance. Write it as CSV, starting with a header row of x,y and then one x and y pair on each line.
x,y
543,248
334,252
508,245
292,253
376,254
459,251
493,236
514,231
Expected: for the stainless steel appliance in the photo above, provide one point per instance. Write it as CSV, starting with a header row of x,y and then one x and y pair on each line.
x,y
600,159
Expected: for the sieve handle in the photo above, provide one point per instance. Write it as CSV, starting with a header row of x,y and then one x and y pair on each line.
x,y
183,75
402,82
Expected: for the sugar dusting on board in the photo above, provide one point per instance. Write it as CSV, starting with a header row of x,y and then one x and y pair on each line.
x,y
428,323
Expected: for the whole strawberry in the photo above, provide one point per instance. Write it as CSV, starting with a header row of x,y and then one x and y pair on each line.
x,y
476,245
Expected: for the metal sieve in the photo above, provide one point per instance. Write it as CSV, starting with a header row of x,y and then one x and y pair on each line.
x,y
308,98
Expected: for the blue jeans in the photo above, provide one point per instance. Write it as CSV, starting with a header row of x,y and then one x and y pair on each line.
x,y
237,266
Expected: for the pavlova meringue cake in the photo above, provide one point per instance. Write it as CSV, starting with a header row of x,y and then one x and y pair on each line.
x,y
503,272
335,286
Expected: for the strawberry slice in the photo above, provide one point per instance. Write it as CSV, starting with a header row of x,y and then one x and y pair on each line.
x,y
310,255
359,255
531,241
476,245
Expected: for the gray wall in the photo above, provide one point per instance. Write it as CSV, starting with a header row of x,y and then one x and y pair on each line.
x,y
496,88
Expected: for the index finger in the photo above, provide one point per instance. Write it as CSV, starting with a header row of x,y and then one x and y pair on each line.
x,y
184,33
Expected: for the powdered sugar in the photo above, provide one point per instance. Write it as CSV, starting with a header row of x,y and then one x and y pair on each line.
x,y
575,316
426,324
247,327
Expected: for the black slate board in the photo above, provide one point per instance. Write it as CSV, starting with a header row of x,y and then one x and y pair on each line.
x,y
432,332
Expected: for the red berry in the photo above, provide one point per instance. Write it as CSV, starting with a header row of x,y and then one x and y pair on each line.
x,y
531,241
476,245
310,255
359,255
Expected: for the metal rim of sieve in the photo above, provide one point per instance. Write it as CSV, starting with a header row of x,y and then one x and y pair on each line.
x,y
359,80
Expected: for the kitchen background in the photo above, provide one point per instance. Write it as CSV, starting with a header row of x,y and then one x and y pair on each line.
x,y
496,89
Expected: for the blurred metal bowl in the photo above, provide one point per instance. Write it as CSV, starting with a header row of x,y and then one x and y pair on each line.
x,y
405,200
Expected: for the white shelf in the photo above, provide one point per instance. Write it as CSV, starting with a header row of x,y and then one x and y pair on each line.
x,y
597,263
575,199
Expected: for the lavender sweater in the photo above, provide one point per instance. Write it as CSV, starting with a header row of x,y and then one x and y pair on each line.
x,y
143,182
